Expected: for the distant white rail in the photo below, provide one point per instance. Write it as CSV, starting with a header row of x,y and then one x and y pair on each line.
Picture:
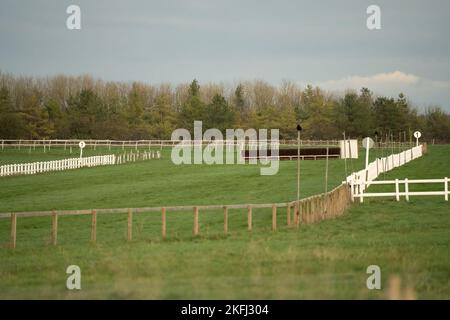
x,y
55,165
65,143
75,163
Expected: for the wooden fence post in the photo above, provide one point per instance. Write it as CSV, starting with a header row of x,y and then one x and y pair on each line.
x,y
225,220
288,212
196,228
94,226
54,228
301,212
249,218
317,208
307,211
13,230
130,225
313,211
163,222
274,217
296,205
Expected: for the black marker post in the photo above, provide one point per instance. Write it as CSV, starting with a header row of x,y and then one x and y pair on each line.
x,y
299,129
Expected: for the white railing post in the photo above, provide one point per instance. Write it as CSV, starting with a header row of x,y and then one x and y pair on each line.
x,y
446,188
406,190
360,192
397,194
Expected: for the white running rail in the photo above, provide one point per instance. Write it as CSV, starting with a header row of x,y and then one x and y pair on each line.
x,y
406,193
55,165
362,179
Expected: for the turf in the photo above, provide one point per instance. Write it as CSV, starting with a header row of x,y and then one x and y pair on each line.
x,y
160,182
325,260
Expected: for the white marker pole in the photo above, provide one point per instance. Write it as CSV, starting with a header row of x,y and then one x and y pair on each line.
x,y
82,144
367,143
367,152
417,135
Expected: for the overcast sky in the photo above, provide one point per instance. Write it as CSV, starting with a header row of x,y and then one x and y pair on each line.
x,y
324,43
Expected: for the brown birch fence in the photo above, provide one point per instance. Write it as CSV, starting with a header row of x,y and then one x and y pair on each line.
x,y
306,211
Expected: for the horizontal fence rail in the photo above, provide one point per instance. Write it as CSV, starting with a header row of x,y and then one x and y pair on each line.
x,y
406,193
308,210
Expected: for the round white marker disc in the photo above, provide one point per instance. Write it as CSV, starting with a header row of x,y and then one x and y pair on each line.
x,y
367,142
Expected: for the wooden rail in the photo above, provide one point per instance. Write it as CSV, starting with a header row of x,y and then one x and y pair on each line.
x,y
307,210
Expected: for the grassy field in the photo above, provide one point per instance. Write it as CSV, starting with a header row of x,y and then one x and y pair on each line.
x,y
160,182
325,260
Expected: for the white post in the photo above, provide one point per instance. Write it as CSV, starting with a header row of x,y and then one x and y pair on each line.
x,y
397,195
446,188
367,155
406,190
377,163
360,191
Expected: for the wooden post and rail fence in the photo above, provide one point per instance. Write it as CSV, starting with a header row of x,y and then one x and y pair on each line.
x,y
309,210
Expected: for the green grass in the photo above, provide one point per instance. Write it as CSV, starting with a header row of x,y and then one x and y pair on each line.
x,y
324,260
160,182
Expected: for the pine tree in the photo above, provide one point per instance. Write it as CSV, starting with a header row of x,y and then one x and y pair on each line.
x,y
193,109
219,114
163,117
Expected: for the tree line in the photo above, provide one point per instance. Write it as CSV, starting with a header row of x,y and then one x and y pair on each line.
x,y
83,107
